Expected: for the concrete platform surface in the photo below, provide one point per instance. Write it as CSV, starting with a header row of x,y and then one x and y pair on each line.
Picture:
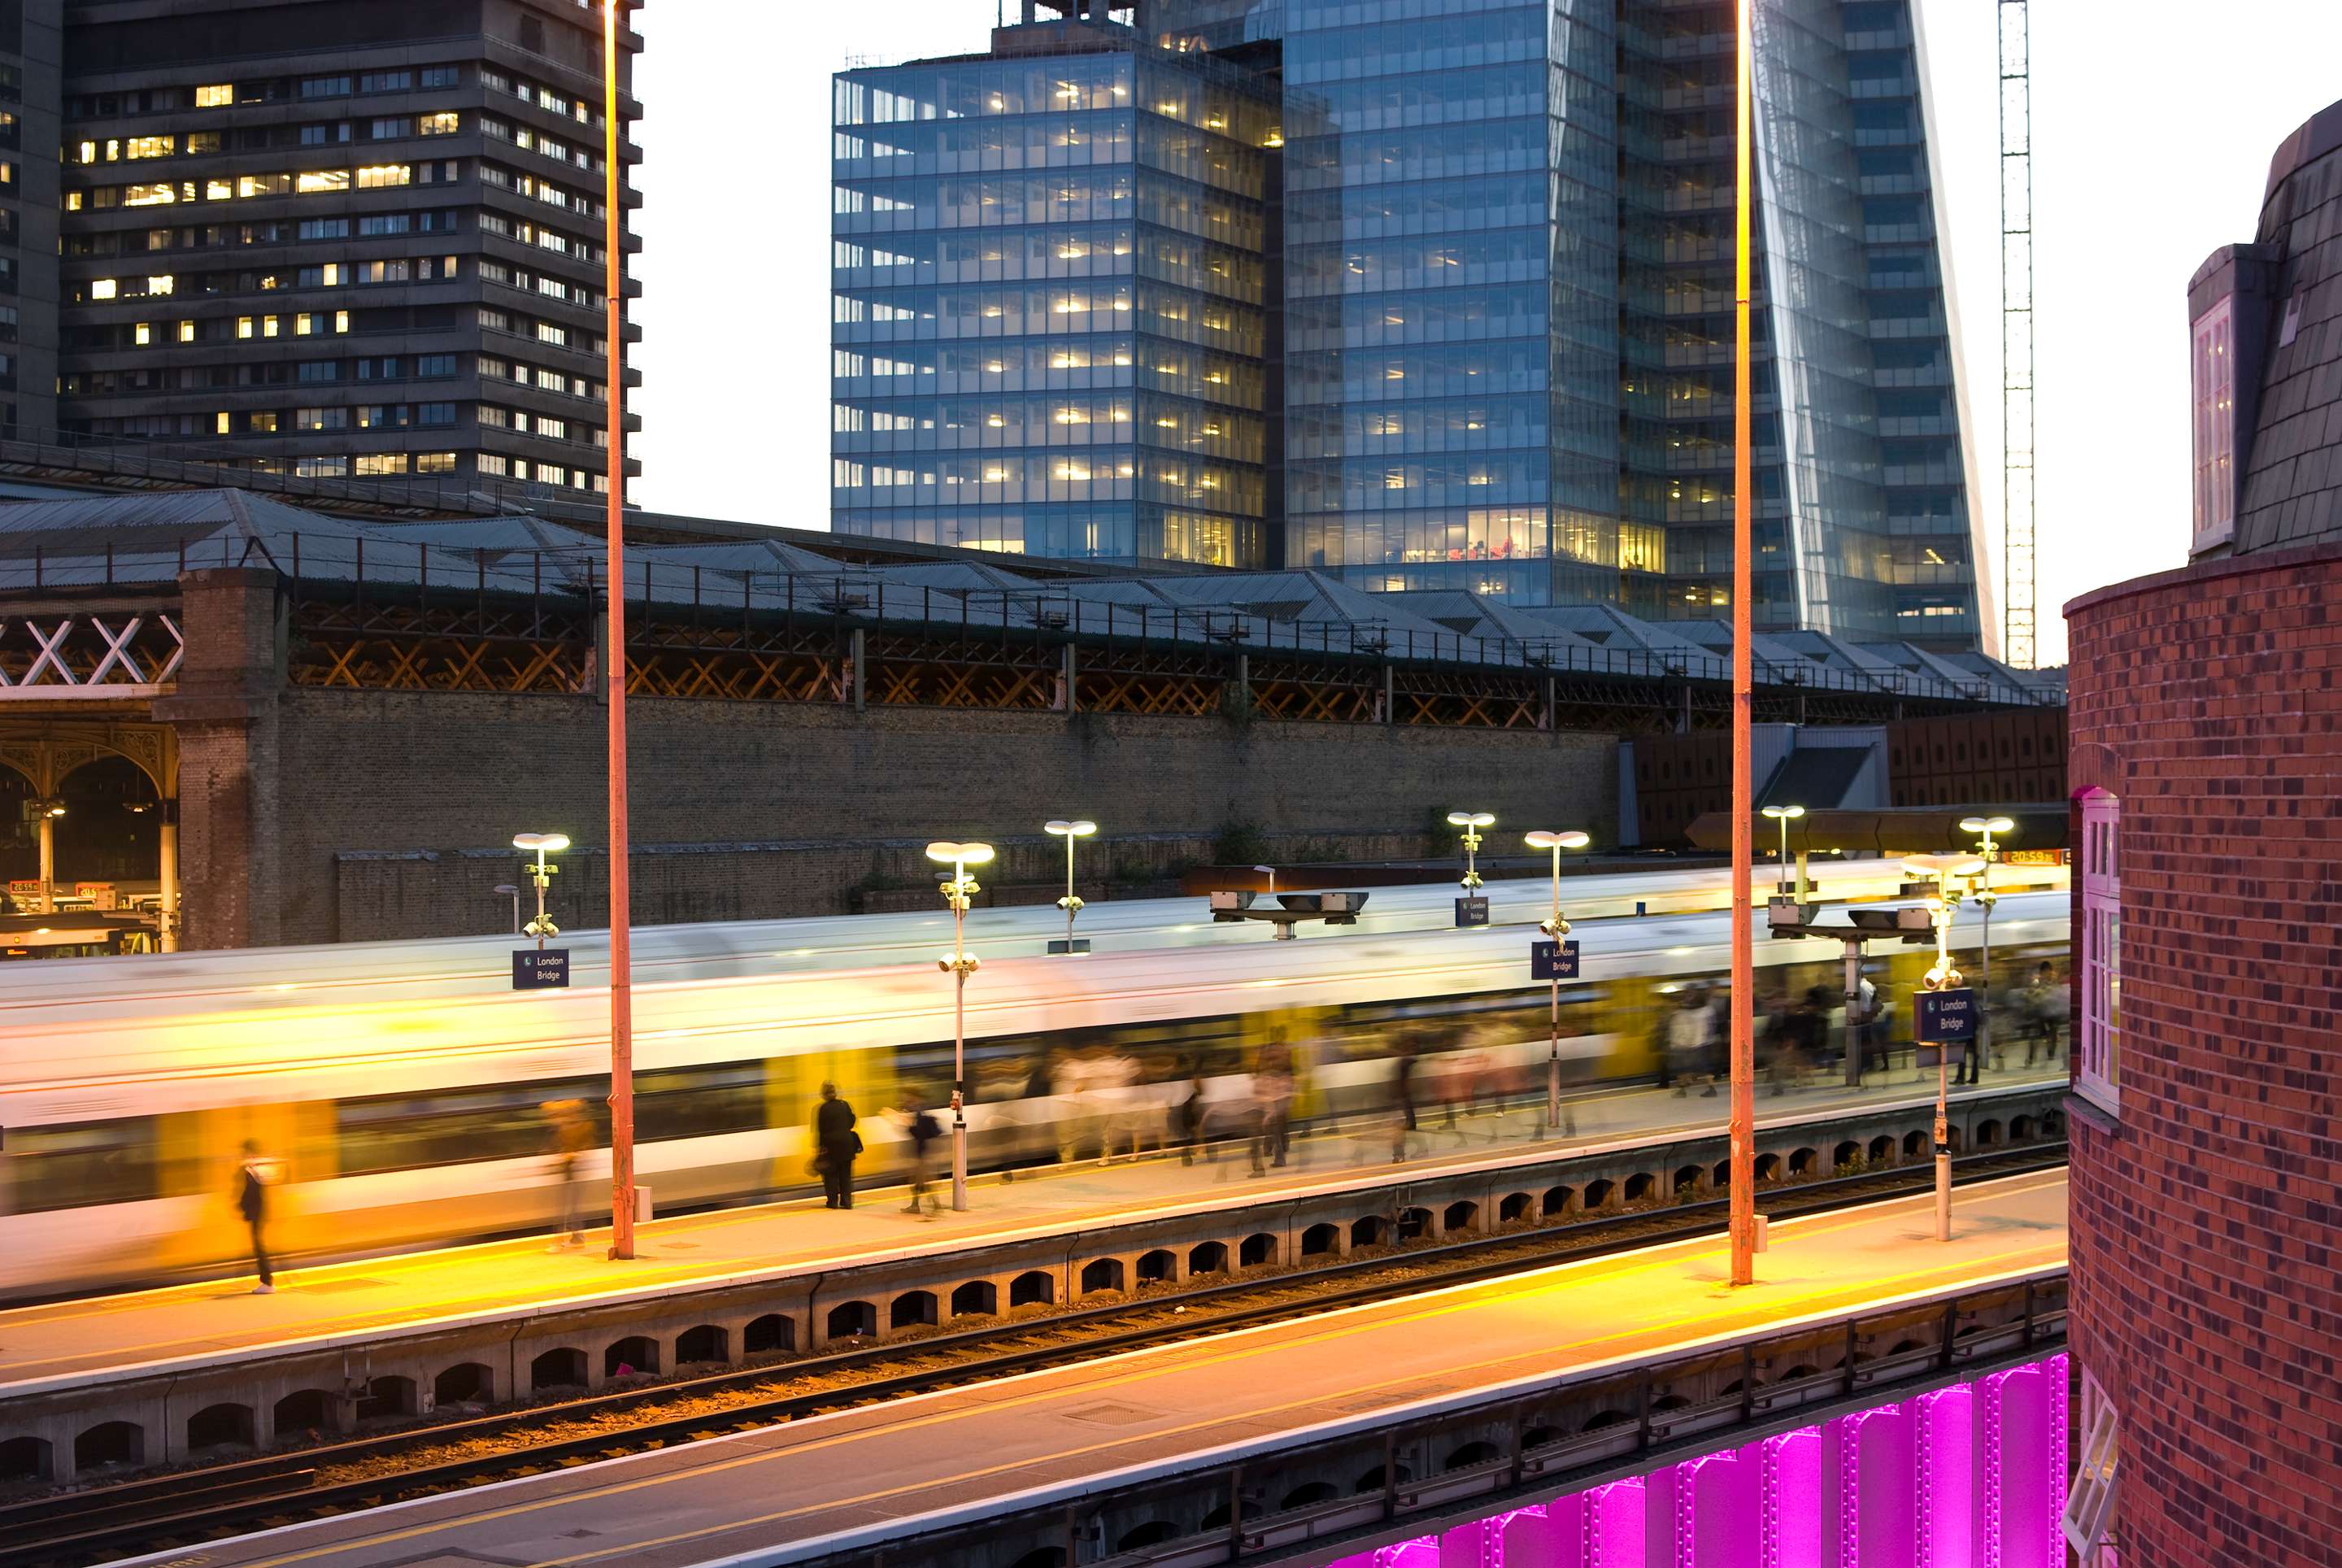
x,y
833,1481
78,1343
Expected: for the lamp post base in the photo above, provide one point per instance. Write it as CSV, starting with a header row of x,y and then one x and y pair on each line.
x,y
959,1166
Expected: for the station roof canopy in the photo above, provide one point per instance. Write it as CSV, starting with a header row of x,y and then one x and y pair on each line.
x,y
126,541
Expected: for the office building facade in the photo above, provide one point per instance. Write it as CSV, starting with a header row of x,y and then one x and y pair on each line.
x,y
1505,344
1053,276
340,242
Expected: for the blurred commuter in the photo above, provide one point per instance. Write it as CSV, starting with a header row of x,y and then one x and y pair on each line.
x,y
255,1173
1272,1091
925,1134
1687,1046
835,1147
1069,1083
1403,1067
1114,1086
2044,1012
1187,1118
570,1136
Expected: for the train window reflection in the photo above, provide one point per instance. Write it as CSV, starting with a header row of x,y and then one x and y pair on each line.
x,y
80,1166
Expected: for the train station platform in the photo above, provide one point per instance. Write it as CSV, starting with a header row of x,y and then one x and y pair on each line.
x,y
1293,1412
180,1326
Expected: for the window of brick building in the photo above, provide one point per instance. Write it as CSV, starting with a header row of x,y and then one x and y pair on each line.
x,y
2098,1061
2212,387
2089,1501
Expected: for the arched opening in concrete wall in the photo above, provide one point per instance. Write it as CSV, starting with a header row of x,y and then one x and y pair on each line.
x,y
705,1345
1031,1287
1882,1150
1372,1479
110,1444
853,1319
1639,1186
1307,1494
2053,1124
308,1411
220,1426
1320,1240
1720,1178
469,1384
26,1459
1599,1191
771,1333
636,1356
1536,1437
1369,1231
1414,1224
1258,1249
1207,1258
1470,1453
386,1398
1154,1532
1768,1167
1670,1402
911,1310
975,1299
1558,1201
1845,1154
1799,1372
1101,1274
562,1368
1514,1206
1458,1217
1157,1267
1687,1179
1802,1160
1602,1418
1988,1134
1957,1136
1914,1145
2020,1130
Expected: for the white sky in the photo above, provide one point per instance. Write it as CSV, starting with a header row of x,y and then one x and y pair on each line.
x,y
2151,143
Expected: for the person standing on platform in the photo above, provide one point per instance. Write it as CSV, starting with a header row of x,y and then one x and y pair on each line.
x,y
836,1146
1402,1099
920,1126
571,1135
255,1173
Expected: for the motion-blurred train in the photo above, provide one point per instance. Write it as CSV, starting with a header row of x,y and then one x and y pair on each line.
x,y
402,1118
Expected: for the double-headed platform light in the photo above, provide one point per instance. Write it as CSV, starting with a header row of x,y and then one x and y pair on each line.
x,y
959,963
1471,822
1984,828
1558,928
541,875
1081,827
1945,870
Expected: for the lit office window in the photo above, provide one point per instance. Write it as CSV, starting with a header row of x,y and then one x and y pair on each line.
x,y
379,175
215,96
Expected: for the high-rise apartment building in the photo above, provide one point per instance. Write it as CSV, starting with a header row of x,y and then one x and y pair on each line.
x,y
336,240
32,47
1503,360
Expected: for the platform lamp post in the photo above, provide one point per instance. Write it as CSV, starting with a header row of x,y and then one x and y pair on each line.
x,y
1785,815
541,876
506,889
1944,870
43,815
1071,903
959,963
1983,828
1558,929
1471,822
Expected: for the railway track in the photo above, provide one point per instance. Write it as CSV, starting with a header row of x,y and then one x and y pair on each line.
x,y
185,1508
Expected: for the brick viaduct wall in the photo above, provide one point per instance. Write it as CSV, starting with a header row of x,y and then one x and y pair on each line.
x,y
2208,1295
319,815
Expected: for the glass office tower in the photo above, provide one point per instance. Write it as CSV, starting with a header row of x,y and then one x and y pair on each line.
x,y
1506,347
1052,279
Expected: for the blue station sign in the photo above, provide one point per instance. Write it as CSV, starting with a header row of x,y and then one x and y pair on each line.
x,y
1553,960
541,969
1945,1017
1472,911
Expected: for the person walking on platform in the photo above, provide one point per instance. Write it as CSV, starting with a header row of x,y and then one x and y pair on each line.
x,y
570,1136
1688,1035
255,1173
1188,1116
836,1146
920,1126
1402,1099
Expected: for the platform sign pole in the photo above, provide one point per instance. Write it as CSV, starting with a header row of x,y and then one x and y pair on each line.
x,y
1558,928
1744,981
622,1008
959,963
1937,1020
